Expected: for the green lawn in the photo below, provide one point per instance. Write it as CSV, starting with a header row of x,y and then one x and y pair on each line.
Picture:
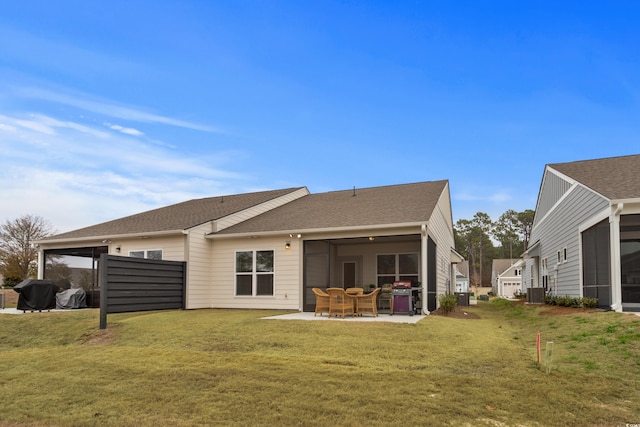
x,y
230,367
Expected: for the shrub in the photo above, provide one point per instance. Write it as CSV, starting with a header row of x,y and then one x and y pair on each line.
x,y
448,302
567,301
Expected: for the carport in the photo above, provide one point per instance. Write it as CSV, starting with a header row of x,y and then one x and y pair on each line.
x,y
77,266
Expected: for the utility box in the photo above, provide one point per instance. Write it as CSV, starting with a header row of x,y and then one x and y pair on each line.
x,y
463,299
535,295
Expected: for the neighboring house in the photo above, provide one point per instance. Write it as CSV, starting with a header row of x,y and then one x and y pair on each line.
x,y
462,276
585,239
268,249
506,277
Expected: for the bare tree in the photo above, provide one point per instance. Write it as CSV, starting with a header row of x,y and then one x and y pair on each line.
x,y
17,253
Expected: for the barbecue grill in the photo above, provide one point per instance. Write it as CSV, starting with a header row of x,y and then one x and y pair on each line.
x,y
406,298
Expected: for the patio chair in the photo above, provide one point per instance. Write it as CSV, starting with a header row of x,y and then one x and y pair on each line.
x,y
367,303
322,301
340,303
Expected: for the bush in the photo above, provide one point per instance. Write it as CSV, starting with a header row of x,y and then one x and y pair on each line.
x,y
448,302
567,301
10,282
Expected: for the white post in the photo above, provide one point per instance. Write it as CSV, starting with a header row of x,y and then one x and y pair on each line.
x,y
614,245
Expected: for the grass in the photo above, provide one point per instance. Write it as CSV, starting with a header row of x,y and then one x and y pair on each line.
x,y
230,367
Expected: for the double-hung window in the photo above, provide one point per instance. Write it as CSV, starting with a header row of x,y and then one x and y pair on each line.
x,y
254,273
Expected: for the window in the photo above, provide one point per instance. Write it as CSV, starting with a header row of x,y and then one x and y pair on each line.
x,y
254,273
518,272
149,254
562,256
393,267
545,273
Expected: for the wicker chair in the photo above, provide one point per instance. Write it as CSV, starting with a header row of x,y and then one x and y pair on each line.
x,y
367,303
340,303
322,301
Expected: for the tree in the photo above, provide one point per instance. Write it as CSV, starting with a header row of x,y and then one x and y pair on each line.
x,y
473,242
17,254
506,231
525,223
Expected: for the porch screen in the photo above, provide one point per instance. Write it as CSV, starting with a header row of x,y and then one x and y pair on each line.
x,y
596,264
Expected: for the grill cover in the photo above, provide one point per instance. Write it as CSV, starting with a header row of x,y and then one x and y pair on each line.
x,y
36,294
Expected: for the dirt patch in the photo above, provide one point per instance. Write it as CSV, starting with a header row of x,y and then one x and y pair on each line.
x,y
101,337
557,310
456,313
10,296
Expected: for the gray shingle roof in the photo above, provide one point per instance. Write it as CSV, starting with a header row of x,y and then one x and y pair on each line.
x,y
499,266
394,204
180,216
613,177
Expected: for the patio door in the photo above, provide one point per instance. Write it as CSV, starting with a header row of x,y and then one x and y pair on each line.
x,y
349,274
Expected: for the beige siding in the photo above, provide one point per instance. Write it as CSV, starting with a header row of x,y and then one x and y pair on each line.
x,y
441,231
199,267
287,285
173,246
246,214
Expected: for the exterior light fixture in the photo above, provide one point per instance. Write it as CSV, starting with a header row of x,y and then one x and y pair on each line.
x,y
287,245
371,238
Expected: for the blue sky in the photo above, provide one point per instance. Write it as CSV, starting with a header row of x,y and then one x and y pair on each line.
x,y
111,108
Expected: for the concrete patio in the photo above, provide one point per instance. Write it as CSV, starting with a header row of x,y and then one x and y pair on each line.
x,y
396,318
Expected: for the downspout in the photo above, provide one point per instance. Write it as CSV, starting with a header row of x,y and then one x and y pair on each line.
x,y
423,261
614,245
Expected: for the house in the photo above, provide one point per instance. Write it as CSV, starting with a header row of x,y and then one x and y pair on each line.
x,y
462,276
267,250
506,277
585,238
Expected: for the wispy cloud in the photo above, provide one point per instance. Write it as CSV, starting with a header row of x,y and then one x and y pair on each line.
x,y
122,129
107,108
76,174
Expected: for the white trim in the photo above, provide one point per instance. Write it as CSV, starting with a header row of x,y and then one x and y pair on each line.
x,y
109,237
357,228
595,219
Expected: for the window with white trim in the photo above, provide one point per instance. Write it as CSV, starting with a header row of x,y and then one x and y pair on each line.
x,y
254,273
147,253
545,273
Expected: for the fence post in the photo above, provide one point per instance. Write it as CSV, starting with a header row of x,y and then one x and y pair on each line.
x,y
103,290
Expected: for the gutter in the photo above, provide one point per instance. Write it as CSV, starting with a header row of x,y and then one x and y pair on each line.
x,y
110,237
361,228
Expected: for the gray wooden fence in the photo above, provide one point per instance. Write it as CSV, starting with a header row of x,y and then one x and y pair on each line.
x,y
136,284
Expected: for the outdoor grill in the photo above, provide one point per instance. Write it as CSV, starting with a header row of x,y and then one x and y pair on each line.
x,y
406,298
36,295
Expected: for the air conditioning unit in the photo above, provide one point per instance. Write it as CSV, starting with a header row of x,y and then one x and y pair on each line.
x,y
535,295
